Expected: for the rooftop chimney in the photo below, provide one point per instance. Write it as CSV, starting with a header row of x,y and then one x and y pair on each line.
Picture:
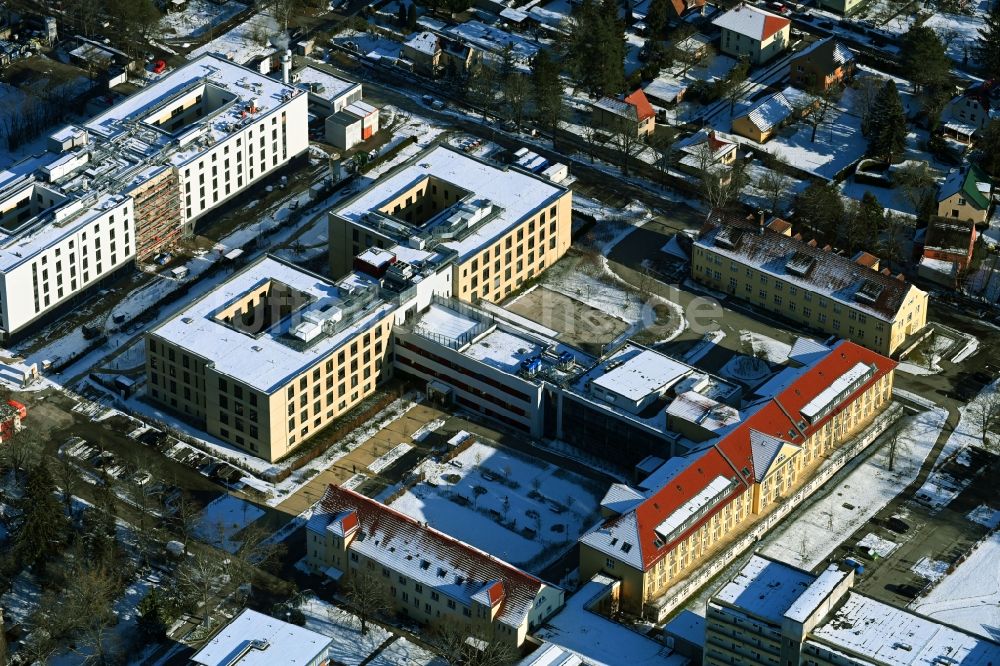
x,y
286,67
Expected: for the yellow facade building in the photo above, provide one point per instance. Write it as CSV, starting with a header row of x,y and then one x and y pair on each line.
x,y
809,285
426,575
271,357
502,226
658,532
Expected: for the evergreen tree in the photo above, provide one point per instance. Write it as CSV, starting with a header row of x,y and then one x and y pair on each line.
x,y
546,90
820,208
596,47
887,127
401,17
923,58
411,16
657,19
989,156
988,48
865,222
43,527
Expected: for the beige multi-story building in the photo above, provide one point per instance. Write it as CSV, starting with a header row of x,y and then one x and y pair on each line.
x,y
272,356
807,284
751,33
774,614
425,574
503,226
655,534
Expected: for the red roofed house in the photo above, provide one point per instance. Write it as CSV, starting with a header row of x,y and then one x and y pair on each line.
x,y
681,7
427,575
754,33
656,535
633,111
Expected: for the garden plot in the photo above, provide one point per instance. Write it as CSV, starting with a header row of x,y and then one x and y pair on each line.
x,y
197,18
969,597
223,519
247,40
853,499
521,510
960,32
986,516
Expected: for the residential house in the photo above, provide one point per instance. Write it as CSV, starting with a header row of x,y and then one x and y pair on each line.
x,y
773,613
753,33
708,150
764,117
950,240
255,639
423,49
973,110
426,575
807,284
633,113
678,8
657,533
822,65
966,195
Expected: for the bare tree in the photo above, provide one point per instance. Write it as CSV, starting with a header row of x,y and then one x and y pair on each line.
x,y
626,141
818,108
775,186
916,183
984,412
256,550
462,645
866,89
201,576
662,142
895,444
185,518
67,478
367,596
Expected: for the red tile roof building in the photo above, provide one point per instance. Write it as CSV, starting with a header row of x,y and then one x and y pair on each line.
x,y
427,575
655,535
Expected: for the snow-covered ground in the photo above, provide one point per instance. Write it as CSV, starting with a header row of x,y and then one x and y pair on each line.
x,y
601,641
870,486
969,597
197,18
766,348
223,518
838,143
517,508
245,41
960,32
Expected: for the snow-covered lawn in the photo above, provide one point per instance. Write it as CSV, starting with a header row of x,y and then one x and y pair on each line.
x,y
754,196
880,546
519,509
960,32
986,516
601,641
223,519
932,570
389,457
870,486
245,41
766,348
969,597
838,143
197,17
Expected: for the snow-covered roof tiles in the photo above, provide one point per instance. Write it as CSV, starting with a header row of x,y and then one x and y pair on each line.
x,y
829,275
766,588
896,637
828,52
423,42
769,111
515,194
255,639
445,564
752,22
268,360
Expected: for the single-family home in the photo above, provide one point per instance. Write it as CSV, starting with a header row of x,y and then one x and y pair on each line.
x,y
965,195
708,150
763,118
423,49
633,112
678,8
753,33
972,110
821,65
950,240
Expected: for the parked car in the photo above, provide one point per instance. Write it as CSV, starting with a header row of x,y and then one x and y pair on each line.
x,y
897,525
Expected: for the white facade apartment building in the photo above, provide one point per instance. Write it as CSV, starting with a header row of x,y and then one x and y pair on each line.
x,y
135,178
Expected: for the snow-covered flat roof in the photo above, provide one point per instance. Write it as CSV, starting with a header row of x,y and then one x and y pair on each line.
x,y
815,594
445,322
255,639
641,375
333,86
896,637
517,194
424,42
503,350
765,588
269,360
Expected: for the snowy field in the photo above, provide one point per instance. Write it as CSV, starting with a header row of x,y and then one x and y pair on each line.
x,y
247,40
519,509
197,18
870,486
223,519
969,597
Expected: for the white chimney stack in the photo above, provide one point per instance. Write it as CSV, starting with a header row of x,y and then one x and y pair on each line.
x,y
286,67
